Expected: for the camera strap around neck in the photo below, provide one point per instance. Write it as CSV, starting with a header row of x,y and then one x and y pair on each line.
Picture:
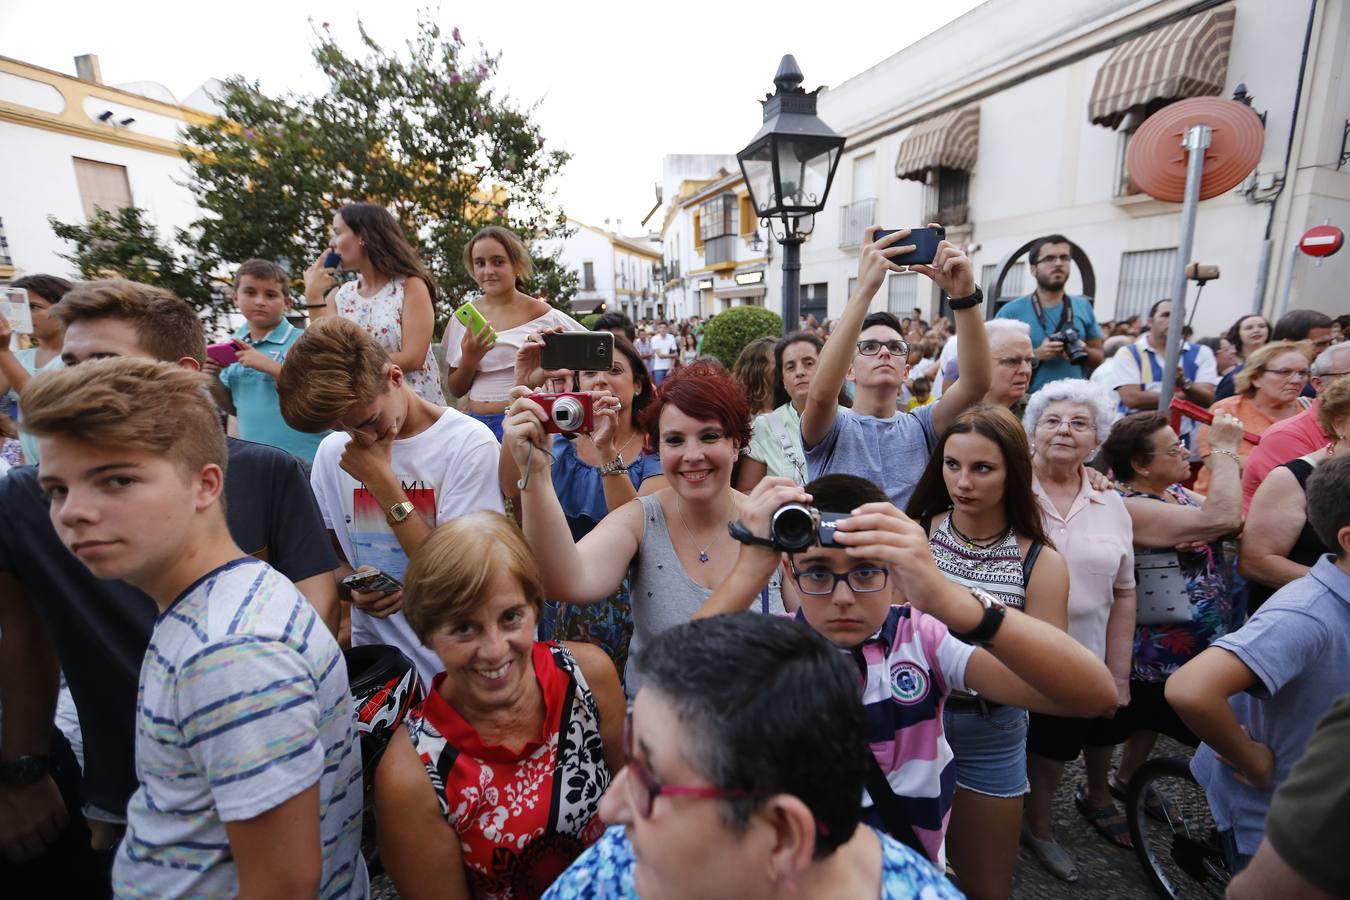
x,y
1064,315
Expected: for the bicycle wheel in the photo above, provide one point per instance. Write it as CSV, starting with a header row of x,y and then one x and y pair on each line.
x,y
1174,834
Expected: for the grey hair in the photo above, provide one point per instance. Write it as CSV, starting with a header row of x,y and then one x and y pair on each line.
x,y
1073,390
1322,364
1010,326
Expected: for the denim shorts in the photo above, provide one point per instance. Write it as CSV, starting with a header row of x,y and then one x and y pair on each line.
x,y
990,749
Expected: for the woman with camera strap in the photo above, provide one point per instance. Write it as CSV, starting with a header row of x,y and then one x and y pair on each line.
x,y
975,501
673,544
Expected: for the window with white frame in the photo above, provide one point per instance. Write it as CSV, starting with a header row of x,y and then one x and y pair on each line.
x,y
1145,277
902,293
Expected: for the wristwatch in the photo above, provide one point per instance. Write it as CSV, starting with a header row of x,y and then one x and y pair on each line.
x,y
23,770
982,634
399,512
974,299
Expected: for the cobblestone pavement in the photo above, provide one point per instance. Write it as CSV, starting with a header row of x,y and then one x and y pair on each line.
x,y
1104,870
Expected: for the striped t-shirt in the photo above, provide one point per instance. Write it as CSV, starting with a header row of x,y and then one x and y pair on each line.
x,y
909,667
243,704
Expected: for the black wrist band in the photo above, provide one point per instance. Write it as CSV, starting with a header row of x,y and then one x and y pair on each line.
x,y
966,302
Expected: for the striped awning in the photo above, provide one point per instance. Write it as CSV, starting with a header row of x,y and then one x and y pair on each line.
x,y
948,141
1185,59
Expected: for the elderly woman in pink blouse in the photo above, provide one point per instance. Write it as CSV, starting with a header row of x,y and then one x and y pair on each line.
x,y
1066,422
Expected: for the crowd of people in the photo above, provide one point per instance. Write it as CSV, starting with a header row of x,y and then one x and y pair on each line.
x,y
280,610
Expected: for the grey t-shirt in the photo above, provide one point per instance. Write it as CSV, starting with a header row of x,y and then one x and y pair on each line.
x,y
663,595
891,453
1297,646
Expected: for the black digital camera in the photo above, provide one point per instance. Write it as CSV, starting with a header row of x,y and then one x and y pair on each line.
x,y
1074,348
795,526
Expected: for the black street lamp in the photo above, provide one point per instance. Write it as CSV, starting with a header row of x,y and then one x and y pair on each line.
x,y
788,168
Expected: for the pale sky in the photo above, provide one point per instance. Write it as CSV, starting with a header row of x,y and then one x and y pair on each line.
x,y
619,85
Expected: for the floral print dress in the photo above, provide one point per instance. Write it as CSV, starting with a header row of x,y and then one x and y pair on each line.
x,y
1159,650
522,817
382,317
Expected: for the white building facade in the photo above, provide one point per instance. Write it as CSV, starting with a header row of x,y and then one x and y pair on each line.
x,y
987,126
715,254
70,144
614,273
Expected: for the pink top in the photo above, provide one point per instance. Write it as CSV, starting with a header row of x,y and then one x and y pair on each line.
x,y
1096,540
1294,437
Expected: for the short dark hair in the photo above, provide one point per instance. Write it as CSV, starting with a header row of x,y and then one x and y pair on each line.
x,y
1329,501
612,321
49,287
1131,438
1034,254
1153,310
840,493
767,707
165,326
883,318
263,270
922,384
643,389
1295,324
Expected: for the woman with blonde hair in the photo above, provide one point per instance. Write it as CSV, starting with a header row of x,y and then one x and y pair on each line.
x,y
482,365
1268,390
494,786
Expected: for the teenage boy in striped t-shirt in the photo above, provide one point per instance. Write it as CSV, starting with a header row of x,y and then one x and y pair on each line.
x,y
912,634
245,746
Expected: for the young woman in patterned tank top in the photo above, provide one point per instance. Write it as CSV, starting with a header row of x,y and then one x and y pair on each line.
x,y
976,501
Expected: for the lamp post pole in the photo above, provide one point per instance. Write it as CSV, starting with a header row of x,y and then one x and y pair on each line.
x,y
792,282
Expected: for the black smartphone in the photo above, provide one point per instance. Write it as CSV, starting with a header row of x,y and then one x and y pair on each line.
x,y
925,241
580,351
333,260
371,582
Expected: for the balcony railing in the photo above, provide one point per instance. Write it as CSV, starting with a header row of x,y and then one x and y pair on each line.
x,y
854,219
719,250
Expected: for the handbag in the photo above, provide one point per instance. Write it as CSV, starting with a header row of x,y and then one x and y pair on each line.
x,y
1160,588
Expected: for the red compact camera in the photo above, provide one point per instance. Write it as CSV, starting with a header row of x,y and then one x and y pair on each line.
x,y
567,413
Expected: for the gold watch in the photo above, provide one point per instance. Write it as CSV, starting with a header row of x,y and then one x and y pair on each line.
x,y
399,512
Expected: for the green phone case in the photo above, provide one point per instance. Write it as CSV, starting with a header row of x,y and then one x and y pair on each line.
x,y
471,318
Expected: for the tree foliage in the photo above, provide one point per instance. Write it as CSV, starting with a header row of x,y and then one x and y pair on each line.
x,y
423,132
727,333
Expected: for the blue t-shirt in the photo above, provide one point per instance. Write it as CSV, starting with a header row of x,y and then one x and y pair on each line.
x,y
891,453
605,872
1084,322
1298,647
255,396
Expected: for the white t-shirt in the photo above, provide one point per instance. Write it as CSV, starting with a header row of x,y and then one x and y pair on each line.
x,y
1127,370
663,343
497,369
447,471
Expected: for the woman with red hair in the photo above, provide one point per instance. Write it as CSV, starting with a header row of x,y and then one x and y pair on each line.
x,y
673,543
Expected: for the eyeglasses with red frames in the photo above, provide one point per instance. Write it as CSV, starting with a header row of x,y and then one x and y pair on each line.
x,y
644,788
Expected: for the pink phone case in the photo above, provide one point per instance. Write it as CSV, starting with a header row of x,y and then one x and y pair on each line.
x,y
225,354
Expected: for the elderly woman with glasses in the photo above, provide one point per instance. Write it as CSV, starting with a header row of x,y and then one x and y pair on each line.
x,y
731,792
1067,421
1268,391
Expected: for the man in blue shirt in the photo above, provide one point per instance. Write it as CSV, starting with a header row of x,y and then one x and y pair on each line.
x,y
1256,695
248,387
1048,310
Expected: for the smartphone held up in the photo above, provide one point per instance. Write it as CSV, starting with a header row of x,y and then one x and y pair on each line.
x,y
925,241
17,311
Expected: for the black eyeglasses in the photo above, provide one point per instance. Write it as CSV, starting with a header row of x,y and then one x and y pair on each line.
x,y
1065,258
873,347
820,582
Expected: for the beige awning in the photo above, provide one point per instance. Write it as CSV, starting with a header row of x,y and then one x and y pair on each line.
x,y
948,141
1185,59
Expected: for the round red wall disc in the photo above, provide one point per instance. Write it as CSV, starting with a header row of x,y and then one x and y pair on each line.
x,y
1156,159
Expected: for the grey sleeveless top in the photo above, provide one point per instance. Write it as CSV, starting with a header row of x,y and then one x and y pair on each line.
x,y
663,595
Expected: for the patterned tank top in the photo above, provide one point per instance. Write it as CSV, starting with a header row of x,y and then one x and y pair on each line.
x,y
996,569
522,817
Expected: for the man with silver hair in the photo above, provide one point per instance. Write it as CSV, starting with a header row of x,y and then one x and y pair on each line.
x,y
1299,434
1010,348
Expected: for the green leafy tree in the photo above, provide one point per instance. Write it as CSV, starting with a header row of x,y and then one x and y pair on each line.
x,y
423,133
125,244
727,333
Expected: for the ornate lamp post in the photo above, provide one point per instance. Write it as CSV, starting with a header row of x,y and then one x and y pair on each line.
x,y
788,168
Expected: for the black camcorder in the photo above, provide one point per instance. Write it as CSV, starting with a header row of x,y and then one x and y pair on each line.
x,y
795,527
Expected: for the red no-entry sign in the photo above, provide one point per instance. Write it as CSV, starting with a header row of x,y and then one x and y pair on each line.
x,y
1321,240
